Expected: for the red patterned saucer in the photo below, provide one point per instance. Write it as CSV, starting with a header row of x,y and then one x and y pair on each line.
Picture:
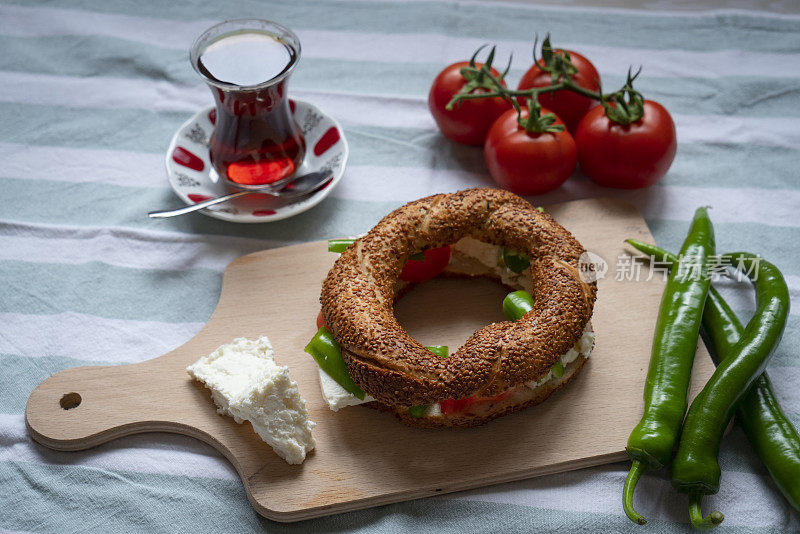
x,y
193,178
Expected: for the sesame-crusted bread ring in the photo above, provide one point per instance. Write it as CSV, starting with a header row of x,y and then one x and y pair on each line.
x,y
396,370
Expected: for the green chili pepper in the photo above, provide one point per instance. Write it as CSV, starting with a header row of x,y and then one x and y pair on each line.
x,y
517,304
515,261
773,437
695,469
651,442
339,245
419,410
440,350
769,431
328,354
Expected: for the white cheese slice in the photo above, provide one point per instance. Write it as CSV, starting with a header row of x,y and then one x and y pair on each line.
x,y
248,385
336,396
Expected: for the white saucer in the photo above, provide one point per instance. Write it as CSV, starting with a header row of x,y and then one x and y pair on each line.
x,y
193,178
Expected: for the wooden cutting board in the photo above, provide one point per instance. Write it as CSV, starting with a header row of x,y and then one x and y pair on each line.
x,y
365,458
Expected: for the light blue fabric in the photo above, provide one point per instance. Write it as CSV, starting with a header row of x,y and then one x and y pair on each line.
x,y
92,93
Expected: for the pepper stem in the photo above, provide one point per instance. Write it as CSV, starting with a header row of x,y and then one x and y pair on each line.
x,y
637,468
696,514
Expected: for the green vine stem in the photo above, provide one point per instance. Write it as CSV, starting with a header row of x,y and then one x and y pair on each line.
x,y
623,106
628,103
480,77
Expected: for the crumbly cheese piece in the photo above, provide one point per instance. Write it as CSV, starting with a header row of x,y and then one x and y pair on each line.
x,y
485,253
248,385
434,410
582,348
471,256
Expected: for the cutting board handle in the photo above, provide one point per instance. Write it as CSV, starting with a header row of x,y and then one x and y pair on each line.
x,y
83,407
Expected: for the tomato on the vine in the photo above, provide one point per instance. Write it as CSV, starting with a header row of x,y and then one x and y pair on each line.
x,y
528,163
568,105
469,120
416,271
627,156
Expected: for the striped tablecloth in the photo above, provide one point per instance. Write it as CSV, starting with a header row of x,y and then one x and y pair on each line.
x,y
92,91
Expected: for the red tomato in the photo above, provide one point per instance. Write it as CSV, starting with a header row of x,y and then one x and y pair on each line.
x,y
453,405
320,321
627,156
416,271
528,163
571,107
468,121
462,405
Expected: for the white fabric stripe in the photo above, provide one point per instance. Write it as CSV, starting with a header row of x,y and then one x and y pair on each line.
x,y
102,93
161,453
24,21
737,293
91,338
76,245
398,48
178,455
123,247
727,130
85,165
350,109
133,249
431,48
679,10
655,498
773,207
144,250
177,239
765,206
785,380
170,454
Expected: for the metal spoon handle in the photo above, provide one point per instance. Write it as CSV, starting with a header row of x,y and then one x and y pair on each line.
x,y
294,187
194,207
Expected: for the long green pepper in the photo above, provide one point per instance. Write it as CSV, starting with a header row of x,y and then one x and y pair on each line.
x,y
768,429
651,442
695,469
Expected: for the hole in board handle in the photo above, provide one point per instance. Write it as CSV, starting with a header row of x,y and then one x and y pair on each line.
x,y
70,401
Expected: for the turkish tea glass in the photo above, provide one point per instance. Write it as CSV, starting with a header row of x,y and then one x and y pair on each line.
x,y
246,64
